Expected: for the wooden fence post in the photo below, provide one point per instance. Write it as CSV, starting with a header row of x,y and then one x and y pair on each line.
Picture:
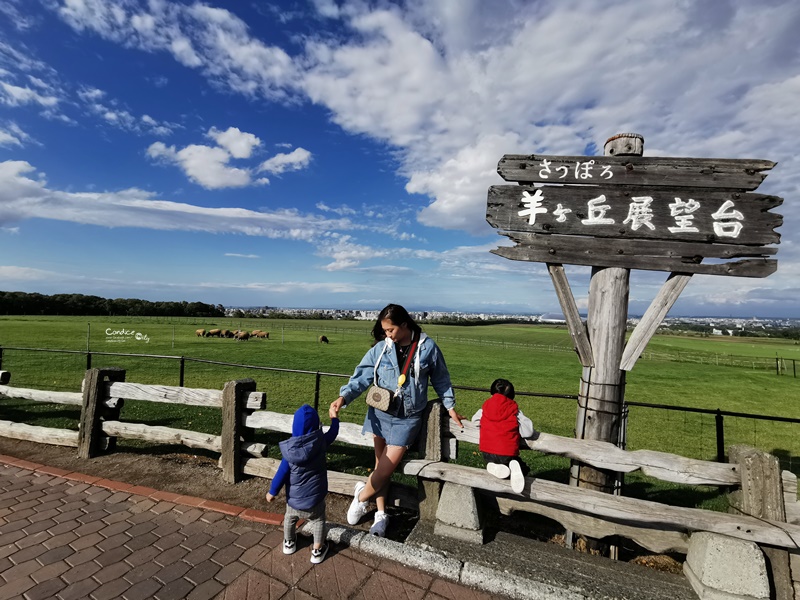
x,y
93,409
429,490
761,496
234,397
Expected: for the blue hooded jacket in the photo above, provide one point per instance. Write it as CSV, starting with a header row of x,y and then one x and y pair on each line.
x,y
304,469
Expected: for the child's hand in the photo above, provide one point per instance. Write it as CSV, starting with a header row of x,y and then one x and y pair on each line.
x,y
335,407
270,497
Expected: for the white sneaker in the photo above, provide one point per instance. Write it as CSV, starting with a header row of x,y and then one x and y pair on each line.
x,y
357,508
318,554
379,526
289,546
499,470
517,478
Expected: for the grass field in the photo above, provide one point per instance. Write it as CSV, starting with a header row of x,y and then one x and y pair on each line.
x,y
675,371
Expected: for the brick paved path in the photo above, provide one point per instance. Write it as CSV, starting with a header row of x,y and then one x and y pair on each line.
x,y
71,536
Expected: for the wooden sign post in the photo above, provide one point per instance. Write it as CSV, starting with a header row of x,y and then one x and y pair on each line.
x,y
624,211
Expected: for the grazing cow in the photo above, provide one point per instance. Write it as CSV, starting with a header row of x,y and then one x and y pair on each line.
x,y
241,336
200,333
255,332
214,333
226,333
263,335
323,339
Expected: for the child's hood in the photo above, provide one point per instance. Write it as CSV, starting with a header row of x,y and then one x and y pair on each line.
x,y
305,421
499,407
306,441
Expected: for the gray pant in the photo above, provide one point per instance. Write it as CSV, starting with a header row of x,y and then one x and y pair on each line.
x,y
315,516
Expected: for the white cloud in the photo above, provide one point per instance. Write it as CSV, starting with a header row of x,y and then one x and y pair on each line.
x,y
14,95
10,272
209,166
204,165
238,143
297,159
198,36
97,103
13,135
235,255
22,197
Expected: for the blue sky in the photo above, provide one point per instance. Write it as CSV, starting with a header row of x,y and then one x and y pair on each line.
x,y
338,154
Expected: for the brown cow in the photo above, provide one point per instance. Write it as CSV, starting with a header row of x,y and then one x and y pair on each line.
x,y
214,333
263,334
200,333
241,336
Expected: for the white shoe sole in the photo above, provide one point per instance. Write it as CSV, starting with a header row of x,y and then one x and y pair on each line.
x,y
517,478
499,470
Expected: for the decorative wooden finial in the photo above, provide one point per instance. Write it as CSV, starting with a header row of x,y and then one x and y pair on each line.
x,y
624,144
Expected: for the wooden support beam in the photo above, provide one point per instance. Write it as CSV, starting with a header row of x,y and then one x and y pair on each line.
x,y
570,309
658,309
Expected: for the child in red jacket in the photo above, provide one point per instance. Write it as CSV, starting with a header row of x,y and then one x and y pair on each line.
x,y
502,426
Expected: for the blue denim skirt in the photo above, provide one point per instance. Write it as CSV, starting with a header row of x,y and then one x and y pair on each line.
x,y
397,431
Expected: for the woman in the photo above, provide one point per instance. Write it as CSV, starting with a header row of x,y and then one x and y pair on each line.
x,y
394,332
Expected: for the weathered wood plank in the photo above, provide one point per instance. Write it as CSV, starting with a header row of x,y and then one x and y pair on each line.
x,y
570,309
653,317
744,174
741,268
635,213
349,433
74,398
607,246
162,435
628,511
605,455
338,483
792,506
178,395
655,540
41,435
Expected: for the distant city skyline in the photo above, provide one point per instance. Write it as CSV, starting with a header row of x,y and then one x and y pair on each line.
x,y
340,152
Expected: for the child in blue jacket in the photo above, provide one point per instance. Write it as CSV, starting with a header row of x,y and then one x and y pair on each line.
x,y
304,472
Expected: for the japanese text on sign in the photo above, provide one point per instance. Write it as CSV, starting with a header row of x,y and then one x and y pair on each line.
x,y
581,171
727,222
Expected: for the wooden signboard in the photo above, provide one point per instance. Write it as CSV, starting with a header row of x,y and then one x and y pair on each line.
x,y
664,214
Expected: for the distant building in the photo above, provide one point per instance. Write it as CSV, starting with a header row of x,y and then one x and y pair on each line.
x,y
554,318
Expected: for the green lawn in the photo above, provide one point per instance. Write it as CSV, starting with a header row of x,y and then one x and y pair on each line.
x,y
676,371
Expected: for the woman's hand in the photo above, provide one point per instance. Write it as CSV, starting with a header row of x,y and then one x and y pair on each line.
x,y
269,497
456,417
336,406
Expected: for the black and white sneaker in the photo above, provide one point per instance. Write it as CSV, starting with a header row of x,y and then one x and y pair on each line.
x,y
289,546
319,554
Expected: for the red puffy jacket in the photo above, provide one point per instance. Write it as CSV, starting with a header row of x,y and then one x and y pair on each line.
x,y
499,426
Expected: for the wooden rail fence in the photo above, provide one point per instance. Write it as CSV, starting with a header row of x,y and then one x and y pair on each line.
x,y
658,527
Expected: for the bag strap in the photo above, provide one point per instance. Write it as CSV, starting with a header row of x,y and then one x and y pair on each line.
x,y
410,355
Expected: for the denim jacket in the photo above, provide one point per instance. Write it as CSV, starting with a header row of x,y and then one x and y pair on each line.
x,y
428,366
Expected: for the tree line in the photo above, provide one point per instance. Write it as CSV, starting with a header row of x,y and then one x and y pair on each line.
x,y
22,303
